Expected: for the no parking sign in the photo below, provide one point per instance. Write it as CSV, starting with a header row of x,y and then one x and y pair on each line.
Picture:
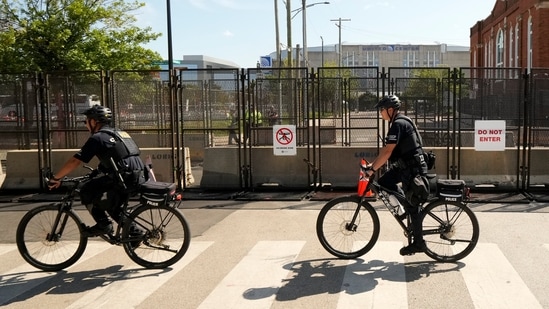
x,y
284,140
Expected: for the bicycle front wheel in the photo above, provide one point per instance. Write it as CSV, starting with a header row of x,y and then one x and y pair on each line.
x,y
50,239
347,227
165,236
450,230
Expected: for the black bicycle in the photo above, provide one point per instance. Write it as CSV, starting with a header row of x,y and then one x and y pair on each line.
x,y
348,226
53,237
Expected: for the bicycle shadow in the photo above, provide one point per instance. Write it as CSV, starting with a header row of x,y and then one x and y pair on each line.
x,y
321,276
32,283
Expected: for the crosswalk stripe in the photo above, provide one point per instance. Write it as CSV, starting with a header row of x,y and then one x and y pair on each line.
x,y
129,293
493,282
378,283
26,277
266,265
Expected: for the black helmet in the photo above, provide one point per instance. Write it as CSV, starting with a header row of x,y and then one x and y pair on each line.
x,y
99,113
389,101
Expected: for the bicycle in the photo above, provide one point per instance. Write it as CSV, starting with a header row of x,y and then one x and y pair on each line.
x,y
52,237
348,226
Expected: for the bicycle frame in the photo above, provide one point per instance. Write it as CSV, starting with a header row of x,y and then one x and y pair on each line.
x,y
384,194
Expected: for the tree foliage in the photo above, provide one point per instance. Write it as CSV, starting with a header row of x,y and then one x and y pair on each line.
x,y
74,35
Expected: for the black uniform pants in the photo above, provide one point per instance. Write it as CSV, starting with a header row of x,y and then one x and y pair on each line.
x,y
103,195
390,180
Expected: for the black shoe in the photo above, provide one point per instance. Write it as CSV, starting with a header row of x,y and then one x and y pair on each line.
x,y
99,229
413,248
137,233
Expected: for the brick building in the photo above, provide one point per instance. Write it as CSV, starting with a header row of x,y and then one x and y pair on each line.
x,y
514,35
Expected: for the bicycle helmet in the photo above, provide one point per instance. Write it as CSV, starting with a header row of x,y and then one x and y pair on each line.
x,y
100,113
389,101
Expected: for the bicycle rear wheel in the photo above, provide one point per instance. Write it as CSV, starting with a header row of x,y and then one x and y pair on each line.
x,y
47,250
450,230
165,236
347,227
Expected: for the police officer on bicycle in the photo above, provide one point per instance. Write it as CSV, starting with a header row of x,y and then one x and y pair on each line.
x,y
403,149
121,169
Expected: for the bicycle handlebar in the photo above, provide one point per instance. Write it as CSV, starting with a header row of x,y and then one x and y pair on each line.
x,y
77,179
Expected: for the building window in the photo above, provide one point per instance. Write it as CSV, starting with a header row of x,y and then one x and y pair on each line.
x,y
511,39
486,59
517,40
529,44
500,46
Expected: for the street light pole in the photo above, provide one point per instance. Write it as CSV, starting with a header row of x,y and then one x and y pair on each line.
x,y
304,20
303,10
322,52
173,115
169,22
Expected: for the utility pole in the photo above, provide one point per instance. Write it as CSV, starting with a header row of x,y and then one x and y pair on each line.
x,y
289,27
277,34
339,20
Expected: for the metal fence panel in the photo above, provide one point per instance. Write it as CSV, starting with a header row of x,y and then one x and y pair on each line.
x,y
331,108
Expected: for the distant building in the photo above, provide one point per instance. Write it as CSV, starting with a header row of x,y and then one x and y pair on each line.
x,y
385,55
514,35
195,62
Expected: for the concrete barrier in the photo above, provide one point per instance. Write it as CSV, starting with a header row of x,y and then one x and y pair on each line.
x,y
23,172
339,167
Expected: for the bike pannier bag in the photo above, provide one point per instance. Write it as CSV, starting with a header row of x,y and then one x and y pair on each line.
x,y
155,193
451,189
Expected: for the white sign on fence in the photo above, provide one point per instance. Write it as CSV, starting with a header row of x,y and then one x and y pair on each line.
x,y
490,135
284,140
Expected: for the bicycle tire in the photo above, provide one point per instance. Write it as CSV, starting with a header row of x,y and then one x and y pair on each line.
x,y
165,240
333,232
450,230
59,253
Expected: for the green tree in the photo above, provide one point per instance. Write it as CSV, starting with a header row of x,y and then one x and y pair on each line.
x,y
73,35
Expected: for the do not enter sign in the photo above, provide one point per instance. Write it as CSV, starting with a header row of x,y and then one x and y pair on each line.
x,y
490,135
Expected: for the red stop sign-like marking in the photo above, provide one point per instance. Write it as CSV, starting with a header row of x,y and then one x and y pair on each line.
x,y
284,136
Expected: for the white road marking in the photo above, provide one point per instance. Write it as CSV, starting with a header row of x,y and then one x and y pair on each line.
x,y
26,277
135,288
493,282
266,265
378,283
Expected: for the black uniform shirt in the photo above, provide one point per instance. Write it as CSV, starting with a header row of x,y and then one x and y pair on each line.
x,y
96,145
403,134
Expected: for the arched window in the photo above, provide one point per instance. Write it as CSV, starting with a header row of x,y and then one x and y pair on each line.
x,y
517,41
529,44
500,47
510,49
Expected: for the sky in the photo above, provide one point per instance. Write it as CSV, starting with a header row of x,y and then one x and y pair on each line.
x,y
242,31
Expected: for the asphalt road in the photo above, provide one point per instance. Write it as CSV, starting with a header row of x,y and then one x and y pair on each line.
x,y
265,254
